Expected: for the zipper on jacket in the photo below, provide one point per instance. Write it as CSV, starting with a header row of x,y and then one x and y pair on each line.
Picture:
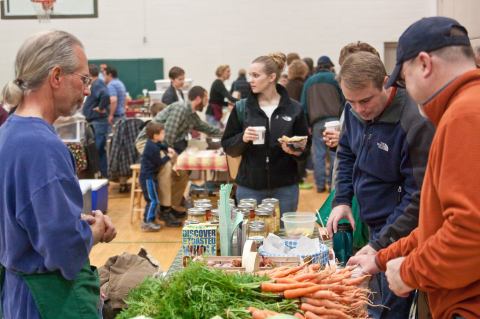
x,y
365,139
267,155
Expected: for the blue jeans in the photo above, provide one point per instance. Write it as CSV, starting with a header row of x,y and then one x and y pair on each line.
x,y
382,295
101,133
320,152
286,195
149,189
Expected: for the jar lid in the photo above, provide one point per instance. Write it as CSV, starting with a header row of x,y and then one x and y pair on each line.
x,y
246,206
257,226
249,200
206,206
263,212
196,211
202,200
267,206
270,200
191,222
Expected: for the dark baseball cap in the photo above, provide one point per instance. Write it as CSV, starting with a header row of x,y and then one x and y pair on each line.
x,y
426,35
325,60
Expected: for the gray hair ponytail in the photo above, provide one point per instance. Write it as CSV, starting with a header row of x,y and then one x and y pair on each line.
x,y
36,57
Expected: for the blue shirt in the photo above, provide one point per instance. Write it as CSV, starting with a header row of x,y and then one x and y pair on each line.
x,y
98,98
40,206
152,159
117,88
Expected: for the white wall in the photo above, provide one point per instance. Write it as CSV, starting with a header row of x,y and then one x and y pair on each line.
x,y
201,34
466,12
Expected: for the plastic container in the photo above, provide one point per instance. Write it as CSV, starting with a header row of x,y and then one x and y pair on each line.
x,y
99,193
343,243
71,129
298,224
86,188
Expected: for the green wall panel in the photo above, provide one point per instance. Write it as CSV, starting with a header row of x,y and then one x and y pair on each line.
x,y
136,74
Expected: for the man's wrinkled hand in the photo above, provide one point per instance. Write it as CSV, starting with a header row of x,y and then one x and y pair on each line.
x,y
395,281
366,262
110,230
366,250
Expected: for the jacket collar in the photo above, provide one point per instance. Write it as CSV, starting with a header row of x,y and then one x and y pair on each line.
x,y
252,99
441,100
392,113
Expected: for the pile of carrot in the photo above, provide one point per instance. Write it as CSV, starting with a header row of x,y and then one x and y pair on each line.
x,y
323,293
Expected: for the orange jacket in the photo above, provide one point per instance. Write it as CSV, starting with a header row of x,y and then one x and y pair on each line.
x,y
443,252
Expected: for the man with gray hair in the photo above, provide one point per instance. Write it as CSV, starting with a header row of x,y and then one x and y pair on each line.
x,y
45,240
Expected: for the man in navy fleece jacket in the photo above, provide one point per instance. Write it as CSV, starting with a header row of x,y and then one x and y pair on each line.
x,y
382,156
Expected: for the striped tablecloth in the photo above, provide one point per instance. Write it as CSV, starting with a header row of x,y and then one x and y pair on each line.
x,y
214,160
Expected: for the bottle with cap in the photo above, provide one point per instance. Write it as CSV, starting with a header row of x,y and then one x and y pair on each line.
x,y
343,243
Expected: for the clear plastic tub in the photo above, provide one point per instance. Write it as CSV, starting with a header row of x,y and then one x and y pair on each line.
x,y
298,224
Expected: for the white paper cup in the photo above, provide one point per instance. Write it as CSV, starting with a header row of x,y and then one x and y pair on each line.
x,y
260,130
332,126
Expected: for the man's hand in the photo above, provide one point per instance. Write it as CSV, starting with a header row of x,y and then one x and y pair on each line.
x,y
395,282
110,230
366,250
88,218
102,227
172,154
98,110
331,137
97,227
110,119
367,262
339,212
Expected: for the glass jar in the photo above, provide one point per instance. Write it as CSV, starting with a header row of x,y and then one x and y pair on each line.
x,y
265,215
276,213
197,213
208,209
252,201
251,209
215,217
256,232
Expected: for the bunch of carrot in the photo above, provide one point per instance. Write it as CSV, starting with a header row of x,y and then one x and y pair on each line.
x,y
324,293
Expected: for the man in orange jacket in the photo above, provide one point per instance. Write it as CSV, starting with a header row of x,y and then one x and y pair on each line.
x,y
441,257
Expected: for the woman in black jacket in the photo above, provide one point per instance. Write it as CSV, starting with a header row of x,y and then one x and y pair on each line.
x,y
268,169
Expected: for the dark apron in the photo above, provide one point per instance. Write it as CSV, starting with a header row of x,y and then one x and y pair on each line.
x,y
56,297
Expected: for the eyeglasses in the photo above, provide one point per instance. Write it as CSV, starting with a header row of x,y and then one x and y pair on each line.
x,y
85,79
